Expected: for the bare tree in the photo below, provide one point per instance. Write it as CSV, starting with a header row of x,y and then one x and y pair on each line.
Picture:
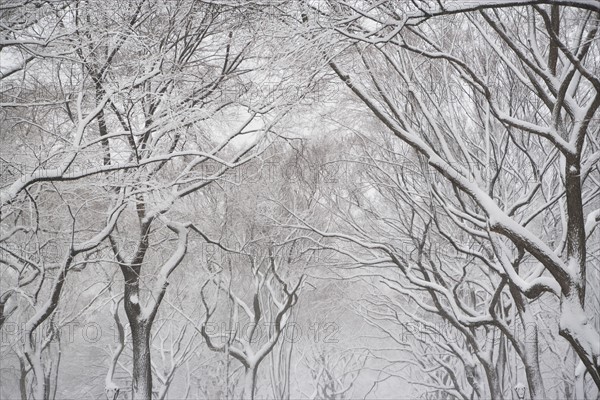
x,y
544,95
255,331
129,120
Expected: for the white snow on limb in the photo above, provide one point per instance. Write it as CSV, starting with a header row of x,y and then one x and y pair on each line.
x,y
110,385
575,322
593,219
134,299
414,15
112,391
470,5
9,194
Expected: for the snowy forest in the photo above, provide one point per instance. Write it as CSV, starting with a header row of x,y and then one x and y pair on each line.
x,y
299,199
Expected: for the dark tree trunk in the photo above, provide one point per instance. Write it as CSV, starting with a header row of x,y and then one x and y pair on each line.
x,y
141,325
142,371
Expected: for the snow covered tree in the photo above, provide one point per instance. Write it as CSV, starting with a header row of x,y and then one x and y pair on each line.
x,y
501,102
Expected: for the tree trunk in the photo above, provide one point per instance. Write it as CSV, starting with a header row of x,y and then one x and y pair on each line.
x,y
249,383
141,326
577,328
579,386
532,362
40,390
22,379
493,381
142,371
529,346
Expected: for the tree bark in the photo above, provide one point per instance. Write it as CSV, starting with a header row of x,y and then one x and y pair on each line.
x,y
22,379
529,345
142,370
532,363
249,383
577,328
141,385
493,381
40,388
